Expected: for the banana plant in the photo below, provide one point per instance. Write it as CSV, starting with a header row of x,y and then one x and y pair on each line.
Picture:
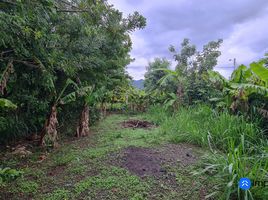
x,y
177,76
171,101
137,99
49,132
246,83
82,128
89,99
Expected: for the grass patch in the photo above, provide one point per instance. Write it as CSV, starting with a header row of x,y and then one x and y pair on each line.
x,y
77,169
97,152
116,181
202,126
26,186
58,194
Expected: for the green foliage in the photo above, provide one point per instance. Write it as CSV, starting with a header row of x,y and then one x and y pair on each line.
x,y
189,59
7,174
46,44
111,178
189,83
64,159
203,126
6,104
238,148
260,70
246,91
27,186
239,162
58,194
153,74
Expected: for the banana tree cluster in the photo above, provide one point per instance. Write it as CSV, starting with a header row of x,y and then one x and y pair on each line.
x,y
247,86
136,100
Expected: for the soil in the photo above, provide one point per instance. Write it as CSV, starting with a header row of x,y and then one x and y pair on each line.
x,y
165,168
137,124
155,161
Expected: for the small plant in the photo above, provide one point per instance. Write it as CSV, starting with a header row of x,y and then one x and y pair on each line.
x,y
26,186
7,174
64,159
58,194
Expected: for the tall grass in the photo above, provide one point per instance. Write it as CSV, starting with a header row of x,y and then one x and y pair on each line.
x,y
202,126
227,169
238,147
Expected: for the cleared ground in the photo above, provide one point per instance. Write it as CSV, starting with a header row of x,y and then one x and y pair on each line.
x,y
123,158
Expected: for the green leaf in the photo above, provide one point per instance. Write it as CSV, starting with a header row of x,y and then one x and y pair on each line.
x,y
71,97
238,75
260,71
251,88
5,103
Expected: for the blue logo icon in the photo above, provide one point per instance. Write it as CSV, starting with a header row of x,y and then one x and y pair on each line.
x,y
244,183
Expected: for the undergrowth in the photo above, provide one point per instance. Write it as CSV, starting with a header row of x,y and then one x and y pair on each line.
x,y
238,147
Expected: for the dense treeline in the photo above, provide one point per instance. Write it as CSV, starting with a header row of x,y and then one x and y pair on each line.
x,y
57,59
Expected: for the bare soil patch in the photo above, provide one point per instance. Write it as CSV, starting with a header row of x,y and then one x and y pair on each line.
x,y
137,124
155,161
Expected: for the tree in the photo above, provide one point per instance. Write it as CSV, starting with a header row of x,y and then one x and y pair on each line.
x,y
153,74
45,43
190,60
191,70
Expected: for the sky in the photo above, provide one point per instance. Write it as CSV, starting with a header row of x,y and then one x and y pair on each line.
x,y
242,24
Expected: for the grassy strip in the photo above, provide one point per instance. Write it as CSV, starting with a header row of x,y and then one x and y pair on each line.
x,y
238,148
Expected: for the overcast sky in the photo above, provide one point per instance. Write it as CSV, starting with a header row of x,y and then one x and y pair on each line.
x,y
242,24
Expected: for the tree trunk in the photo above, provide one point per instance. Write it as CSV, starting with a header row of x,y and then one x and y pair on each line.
x,y
82,129
3,82
103,109
180,93
49,131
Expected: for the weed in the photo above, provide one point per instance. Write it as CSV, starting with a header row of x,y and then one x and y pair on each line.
x,y
59,194
226,170
201,125
27,186
113,179
7,174
238,147
77,169
64,157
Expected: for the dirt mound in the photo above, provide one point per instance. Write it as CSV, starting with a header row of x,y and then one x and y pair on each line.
x,y
142,161
155,161
137,124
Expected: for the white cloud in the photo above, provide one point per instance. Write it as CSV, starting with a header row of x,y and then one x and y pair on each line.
x,y
246,43
241,24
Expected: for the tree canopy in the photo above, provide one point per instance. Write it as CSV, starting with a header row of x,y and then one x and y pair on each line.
x,y
46,43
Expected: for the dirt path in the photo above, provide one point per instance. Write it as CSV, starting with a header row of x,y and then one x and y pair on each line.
x,y
125,158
